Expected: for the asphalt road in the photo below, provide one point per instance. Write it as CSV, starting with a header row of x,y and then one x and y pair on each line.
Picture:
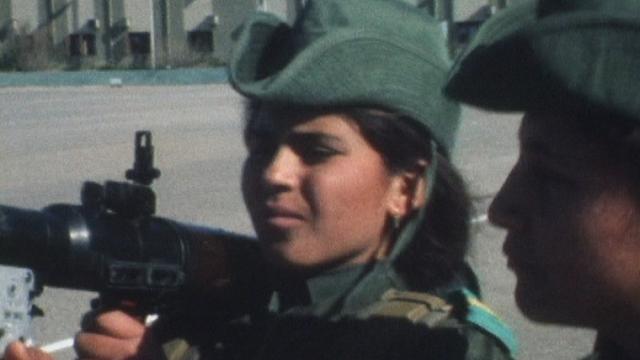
x,y
52,139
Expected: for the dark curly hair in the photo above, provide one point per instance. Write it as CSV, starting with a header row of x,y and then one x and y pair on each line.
x,y
443,237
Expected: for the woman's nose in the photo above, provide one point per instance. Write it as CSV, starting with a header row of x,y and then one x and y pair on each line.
x,y
497,215
507,210
282,170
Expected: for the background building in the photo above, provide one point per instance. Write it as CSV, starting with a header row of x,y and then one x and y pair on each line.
x,y
154,33
162,33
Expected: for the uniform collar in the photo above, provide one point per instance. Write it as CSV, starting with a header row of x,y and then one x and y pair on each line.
x,y
336,292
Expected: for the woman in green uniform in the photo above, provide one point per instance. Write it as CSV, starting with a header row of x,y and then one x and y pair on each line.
x,y
361,219
571,204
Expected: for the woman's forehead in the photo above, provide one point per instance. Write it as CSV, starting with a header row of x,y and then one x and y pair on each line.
x,y
280,120
554,127
278,117
562,139
546,124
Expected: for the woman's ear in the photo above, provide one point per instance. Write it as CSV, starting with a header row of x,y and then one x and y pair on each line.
x,y
419,199
408,190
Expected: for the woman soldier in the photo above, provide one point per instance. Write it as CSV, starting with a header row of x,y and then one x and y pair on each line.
x,y
571,204
361,219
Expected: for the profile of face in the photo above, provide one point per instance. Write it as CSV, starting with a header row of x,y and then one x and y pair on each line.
x,y
318,194
572,225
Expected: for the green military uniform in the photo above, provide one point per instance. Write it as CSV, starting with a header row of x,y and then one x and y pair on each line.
x,y
382,54
361,312
554,55
607,350
558,56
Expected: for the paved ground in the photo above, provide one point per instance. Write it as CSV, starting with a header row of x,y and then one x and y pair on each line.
x,y
51,139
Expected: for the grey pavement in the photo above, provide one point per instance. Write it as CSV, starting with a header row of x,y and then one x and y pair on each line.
x,y
52,139
180,76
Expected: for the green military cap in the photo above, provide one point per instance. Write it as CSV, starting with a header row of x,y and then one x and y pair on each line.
x,y
380,53
552,54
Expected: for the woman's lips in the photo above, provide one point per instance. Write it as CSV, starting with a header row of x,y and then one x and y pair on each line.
x,y
517,260
282,217
507,249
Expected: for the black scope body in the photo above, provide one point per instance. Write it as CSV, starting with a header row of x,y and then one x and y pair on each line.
x,y
73,246
113,243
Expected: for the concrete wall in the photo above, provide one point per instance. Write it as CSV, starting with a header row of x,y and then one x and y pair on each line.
x,y
463,9
82,12
285,9
54,16
111,32
139,15
6,16
169,33
198,15
230,15
25,13
173,20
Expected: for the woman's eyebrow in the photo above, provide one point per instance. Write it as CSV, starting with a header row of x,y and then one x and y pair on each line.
x,y
313,136
545,154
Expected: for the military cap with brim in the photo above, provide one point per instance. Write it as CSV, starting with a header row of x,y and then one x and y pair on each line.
x,y
378,53
552,54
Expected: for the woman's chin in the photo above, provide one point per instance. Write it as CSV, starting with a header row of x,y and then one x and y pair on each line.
x,y
284,257
536,304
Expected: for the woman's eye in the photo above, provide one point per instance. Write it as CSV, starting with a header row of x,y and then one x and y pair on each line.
x,y
313,154
546,179
552,180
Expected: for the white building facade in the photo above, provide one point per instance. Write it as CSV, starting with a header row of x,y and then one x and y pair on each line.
x,y
151,32
159,33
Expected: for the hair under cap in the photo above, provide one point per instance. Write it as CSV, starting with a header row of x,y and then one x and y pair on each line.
x,y
553,54
378,53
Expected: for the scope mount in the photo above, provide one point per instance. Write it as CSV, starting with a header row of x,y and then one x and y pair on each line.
x,y
143,171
